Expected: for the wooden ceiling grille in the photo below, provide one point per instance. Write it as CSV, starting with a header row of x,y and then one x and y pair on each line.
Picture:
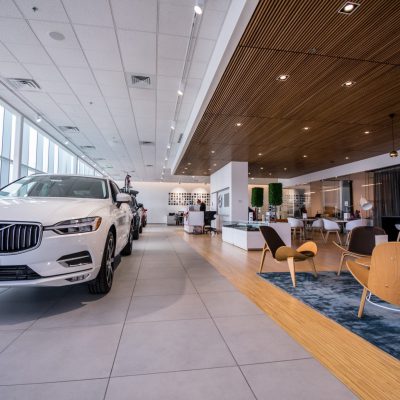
x,y
320,49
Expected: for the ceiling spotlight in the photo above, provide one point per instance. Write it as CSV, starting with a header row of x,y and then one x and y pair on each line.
x,y
285,169
306,128
83,156
66,142
347,158
259,154
185,167
189,163
180,93
198,9
282,78
209,169
238,124
169,146
393,153
38,118
367,132
212,151
261,167
252,178
348,84
270,174
348,8
305,156
166,158
215,165
172,127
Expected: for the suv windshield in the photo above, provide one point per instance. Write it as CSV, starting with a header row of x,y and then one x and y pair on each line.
x,y
57,186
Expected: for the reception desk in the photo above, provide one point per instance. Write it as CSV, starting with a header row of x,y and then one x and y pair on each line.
x,y
193,219
247,236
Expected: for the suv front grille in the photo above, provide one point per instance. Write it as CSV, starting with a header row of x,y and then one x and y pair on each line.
x,y
17,273
18,236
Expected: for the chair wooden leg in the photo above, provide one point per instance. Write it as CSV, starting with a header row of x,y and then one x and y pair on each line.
x,y
292,270
362,302
341,262
315,273
264,252
338,236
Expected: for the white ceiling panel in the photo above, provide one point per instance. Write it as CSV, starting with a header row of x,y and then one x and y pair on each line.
x,y
43,28
78,75
107,60
13,70
146,125
8,9
83,89
16,31
89,12
165,110
140,15
44,72
142,94
174,47
170,67
198,69
67,57
112,83
5,55
176,20
145,108
96,38
64,99
218,5
30,54
47,10
149,154
138,51
204,50
167,95
211,23
55,86
168,83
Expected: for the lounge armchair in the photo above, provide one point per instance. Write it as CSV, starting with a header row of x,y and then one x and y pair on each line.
x,y
382,279
280,252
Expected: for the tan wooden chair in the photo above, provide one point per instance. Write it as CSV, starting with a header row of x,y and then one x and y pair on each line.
x,y
382,279
362,243
280,252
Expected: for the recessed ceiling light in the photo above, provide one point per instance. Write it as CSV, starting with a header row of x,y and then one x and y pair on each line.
x,y
166,158
66,142
185,167
348,84
180,93
251,178
367,132
346,158
282,78
38,118
260,154
305,156
261,167
249,173
172,127
83,156
57,36
189,163
285,169
348,8
198,10
306,128
215,165
209,169
183,172
270,174
238,124
212,151
169,146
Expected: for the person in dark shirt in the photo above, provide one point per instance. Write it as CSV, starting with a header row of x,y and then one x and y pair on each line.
x,y
202,205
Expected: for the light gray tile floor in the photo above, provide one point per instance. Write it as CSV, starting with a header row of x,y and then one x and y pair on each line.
x,y
172,328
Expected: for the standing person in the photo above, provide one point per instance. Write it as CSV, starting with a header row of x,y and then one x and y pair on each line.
x,y
202,206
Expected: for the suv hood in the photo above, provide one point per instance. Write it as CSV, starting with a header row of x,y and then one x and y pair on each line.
x,y
48,211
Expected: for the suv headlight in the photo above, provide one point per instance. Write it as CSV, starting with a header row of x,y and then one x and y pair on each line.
x,y
80,225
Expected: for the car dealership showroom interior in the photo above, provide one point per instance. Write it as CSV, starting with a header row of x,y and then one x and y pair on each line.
x,y
199,199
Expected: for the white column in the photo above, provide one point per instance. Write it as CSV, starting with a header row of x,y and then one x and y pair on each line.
x,y
229,186
19,130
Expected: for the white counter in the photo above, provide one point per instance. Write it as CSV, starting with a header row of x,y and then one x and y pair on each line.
x,y
192,219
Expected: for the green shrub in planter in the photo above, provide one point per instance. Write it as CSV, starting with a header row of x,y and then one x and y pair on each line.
x,y
275,194
257,197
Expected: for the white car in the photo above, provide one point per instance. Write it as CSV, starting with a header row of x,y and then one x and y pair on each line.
x,y
58,230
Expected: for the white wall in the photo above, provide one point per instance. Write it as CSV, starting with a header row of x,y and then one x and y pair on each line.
x,y
154,196
234,177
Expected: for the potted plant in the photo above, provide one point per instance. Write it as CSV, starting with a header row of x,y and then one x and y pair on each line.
x,y
275,196
257,199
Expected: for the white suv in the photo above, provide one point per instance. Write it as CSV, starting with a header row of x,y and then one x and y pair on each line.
x,y
58,230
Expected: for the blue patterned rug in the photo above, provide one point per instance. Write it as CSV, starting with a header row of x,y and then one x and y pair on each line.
x,y
338,298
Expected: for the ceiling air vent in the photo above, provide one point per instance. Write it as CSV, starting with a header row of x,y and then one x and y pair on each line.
x,y
87,147
140,81
180,138
23,84
149,165
69,129
146,143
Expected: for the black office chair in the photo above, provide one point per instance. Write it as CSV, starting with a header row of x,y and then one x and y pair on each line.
x,y
208,217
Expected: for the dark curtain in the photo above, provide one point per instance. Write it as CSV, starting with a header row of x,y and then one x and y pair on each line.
x,y
387,194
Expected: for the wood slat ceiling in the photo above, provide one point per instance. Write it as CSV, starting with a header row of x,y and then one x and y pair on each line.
x,y
320,49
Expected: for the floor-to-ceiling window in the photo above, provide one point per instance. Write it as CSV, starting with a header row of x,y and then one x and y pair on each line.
x,y
8,121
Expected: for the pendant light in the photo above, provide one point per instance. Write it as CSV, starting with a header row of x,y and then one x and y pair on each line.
x,y
393,153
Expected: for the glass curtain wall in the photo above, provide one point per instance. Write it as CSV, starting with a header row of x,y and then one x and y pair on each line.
x,y
39,152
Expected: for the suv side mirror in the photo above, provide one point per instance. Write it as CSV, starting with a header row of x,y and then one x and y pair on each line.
x,y
123,198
